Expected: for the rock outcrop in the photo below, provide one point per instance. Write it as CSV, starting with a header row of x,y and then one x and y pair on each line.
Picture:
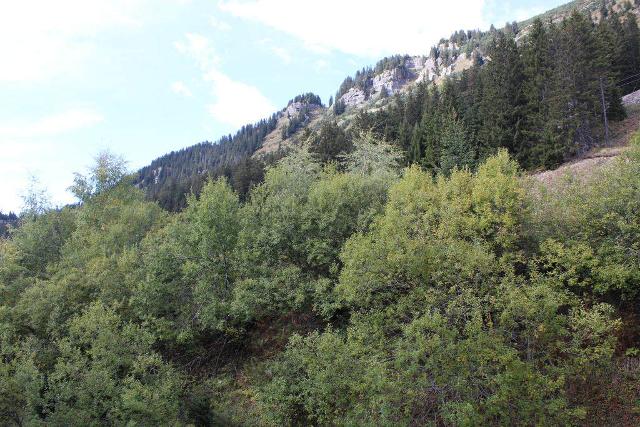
x,y
305,113
632,99
415,69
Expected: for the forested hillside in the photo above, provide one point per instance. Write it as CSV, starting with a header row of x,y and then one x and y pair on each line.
x,y
541,99
169,178
534,88
7,220
401,267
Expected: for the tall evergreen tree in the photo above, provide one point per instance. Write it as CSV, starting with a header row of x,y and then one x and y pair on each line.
x,y
536,147
456,148
631,48
503,101
575,105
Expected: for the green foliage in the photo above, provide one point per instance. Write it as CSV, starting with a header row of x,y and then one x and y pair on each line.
x,y
372,157
461,299
329,142
595,220
428,223
106,372
170,178
443,330
108,171
39,239
343,290
190,267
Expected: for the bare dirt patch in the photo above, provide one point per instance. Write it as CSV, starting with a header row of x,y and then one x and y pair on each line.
x,y
597,158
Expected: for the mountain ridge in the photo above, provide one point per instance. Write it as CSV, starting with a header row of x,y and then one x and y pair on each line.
x,y
369,90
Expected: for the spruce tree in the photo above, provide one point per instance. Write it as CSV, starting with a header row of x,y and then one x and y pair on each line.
x,y
535,147
456,150
631,47
415,153
502,103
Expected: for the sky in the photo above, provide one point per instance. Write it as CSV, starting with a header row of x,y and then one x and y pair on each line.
x,y
142,78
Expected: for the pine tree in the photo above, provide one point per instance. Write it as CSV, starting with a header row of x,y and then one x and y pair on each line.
x,y
405,138
339,107
610,61
631,49
535,147
456,149
503,101
430,130
415,154
575,106
329,142
604,11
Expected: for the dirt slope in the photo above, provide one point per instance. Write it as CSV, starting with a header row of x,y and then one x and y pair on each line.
x,y
601,156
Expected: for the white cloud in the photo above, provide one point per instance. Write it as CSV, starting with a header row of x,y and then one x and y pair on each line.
x,y
320,65
50,125
179,88
362,27
40,39
236,103
282,53
278,51
200,49
219,25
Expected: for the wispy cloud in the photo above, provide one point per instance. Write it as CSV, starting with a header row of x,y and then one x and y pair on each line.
x,y
235,103
219,25
41,39
179,88
278,51
51,125
282,53
361,27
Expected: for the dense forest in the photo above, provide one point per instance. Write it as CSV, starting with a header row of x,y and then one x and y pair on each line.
x,y
403,270
8,217
5,221
542,99
170,178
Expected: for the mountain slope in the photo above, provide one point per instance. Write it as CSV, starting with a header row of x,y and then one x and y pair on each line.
x,y
360,99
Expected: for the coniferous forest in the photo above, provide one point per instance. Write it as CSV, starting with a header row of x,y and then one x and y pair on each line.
x,y
539,94
541,98
406,270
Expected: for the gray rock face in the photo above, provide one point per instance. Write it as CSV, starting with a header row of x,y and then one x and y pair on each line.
x,y
294,109
632,98
390,81
354,97
156,174
428,70
416,69
393,81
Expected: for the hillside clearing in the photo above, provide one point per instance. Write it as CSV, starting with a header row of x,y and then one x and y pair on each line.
x,y
584,166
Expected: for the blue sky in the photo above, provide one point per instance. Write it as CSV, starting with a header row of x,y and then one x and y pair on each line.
x,y
145,77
